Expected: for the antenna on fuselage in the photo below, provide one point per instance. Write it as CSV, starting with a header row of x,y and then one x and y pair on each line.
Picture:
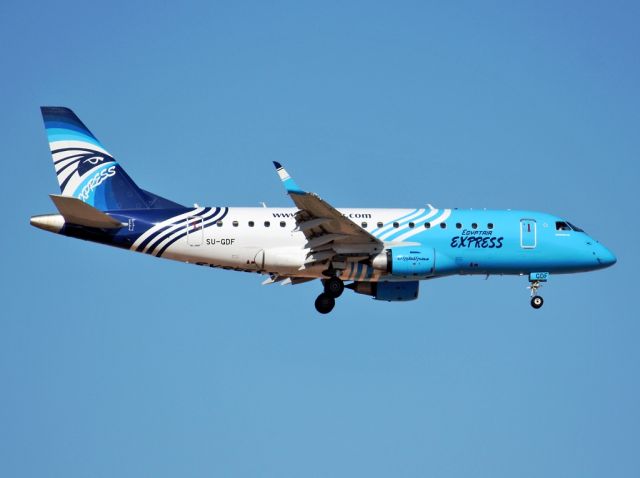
x,y
430,207
264,204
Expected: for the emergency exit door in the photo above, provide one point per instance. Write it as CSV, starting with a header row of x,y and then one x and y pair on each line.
x,y
194,231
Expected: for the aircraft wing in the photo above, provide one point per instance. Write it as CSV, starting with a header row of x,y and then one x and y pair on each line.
x,y
329,233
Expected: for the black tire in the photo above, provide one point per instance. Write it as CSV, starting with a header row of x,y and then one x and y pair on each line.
x,y
334,286
537,301
325,303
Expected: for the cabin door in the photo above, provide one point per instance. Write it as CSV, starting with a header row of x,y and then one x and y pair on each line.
x,y
527,233
194,231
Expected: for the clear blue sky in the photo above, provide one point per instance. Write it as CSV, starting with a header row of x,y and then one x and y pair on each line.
x,y
116,364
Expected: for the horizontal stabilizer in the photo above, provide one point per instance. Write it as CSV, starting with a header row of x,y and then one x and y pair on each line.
x,y
78,212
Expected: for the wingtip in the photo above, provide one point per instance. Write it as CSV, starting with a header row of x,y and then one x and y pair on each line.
x,y
289,184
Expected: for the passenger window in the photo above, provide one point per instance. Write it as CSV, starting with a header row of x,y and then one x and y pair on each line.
x,y
379,224
443,225
219,223
251,223
412,225
364,225
267,223
490,225
427,225
396,225
474,226
562,226
235,223
458,225
283,224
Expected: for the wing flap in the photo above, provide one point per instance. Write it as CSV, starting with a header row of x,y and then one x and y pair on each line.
x,y
323,239
310,224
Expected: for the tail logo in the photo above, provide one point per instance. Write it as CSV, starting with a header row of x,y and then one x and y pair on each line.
x,y
73,164
100,177
94,160
87,171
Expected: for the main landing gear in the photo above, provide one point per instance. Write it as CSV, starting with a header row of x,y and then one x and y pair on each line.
x,y
333,288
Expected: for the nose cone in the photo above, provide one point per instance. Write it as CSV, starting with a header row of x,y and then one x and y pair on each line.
x,y
605,256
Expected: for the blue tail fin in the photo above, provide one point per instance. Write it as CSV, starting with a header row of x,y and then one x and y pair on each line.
x,y
86,170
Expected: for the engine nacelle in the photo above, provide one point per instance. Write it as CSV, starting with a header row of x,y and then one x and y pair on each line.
x,y
389,291
406,261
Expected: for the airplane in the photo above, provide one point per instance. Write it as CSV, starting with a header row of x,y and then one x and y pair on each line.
x,y
383,253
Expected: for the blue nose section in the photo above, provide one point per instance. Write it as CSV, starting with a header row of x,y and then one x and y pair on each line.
x,y
605,257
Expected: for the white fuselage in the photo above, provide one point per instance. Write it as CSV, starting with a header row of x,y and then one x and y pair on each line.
x,y
266,239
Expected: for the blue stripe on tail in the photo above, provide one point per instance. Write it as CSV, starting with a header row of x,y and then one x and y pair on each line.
x,y
86,170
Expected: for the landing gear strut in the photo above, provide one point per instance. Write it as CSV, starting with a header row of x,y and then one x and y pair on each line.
x,y
333,288
536,300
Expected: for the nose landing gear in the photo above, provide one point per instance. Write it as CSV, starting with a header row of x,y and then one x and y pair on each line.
x,y
536,279
537,301
333,288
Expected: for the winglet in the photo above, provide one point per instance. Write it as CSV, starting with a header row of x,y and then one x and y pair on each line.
x,y
289,184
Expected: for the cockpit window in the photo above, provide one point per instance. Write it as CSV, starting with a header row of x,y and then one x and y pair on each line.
x,y
562,226
575,228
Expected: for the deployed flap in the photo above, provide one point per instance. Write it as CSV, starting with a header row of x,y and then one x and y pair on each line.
x,y
78,212
323,224
286,280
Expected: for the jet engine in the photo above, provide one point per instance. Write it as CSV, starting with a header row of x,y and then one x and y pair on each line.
x,y
406,261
